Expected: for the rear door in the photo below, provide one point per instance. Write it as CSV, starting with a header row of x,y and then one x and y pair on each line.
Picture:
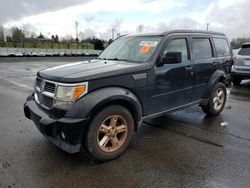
x,y
223,53
204,60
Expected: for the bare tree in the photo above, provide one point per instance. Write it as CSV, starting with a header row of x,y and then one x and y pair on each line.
x,y
2,36
17,35
68,40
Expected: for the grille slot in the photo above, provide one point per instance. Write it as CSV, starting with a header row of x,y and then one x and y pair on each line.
x,y
38,82
49,87
45,92
47,101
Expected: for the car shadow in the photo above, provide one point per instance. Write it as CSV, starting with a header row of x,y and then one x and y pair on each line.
x,y
241,92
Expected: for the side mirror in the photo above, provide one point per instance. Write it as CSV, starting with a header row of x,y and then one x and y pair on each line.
x,y
172,58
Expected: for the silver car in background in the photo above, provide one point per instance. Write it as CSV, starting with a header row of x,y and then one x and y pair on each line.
x,y
241,68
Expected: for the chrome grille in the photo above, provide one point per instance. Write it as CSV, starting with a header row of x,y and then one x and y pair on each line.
x,y
47,101
38,82
45,92
49,87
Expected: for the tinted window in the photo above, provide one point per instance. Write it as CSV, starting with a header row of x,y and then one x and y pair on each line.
x,y
178,45
222,47
202,49
245,50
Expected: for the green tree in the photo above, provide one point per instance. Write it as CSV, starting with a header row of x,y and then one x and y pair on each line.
x,y
41,36
98,44
110,41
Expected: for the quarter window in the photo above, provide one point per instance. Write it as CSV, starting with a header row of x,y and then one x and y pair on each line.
x,y
178,45
222,47
202,48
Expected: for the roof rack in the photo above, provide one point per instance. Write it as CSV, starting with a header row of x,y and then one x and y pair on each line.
x,y
192,31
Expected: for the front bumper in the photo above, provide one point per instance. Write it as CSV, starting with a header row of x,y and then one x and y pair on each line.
x,y
66,133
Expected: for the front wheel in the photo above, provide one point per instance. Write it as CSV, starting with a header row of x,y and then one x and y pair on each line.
x,y
109,133
216,101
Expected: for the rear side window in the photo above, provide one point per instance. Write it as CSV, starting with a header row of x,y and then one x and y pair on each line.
x,y
222,47
245,50
202,48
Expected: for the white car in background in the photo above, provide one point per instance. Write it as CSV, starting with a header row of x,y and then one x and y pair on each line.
x,y
241,68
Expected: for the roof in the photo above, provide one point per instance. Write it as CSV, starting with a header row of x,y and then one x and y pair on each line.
x,y
179,31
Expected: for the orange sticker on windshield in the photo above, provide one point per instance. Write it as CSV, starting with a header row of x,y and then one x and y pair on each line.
x,y
145,49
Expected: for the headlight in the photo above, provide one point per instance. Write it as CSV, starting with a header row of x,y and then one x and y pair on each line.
x,y
66,94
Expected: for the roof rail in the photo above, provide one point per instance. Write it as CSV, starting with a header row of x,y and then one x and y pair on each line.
x,y
192,31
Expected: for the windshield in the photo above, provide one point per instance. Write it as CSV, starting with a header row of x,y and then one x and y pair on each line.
x,y
245,50
134,49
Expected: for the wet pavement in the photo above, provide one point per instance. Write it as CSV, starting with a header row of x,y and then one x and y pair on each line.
x,y
183,149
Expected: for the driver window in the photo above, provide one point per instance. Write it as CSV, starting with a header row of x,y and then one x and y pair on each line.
x,y
177,45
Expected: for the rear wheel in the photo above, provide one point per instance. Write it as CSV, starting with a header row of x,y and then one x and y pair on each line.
x,y
216,101
109,133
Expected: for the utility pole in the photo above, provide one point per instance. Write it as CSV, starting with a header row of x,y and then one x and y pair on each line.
x,y
76,25
140,27
208,25
113,34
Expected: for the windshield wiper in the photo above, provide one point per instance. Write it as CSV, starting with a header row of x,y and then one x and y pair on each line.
x,y
117,59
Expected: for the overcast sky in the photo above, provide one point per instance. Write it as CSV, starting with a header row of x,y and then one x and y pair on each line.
x,y
98,17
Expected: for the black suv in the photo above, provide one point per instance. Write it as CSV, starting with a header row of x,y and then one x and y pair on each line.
x,y
95,106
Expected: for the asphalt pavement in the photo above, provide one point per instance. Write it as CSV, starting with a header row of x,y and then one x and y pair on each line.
x,y
182,149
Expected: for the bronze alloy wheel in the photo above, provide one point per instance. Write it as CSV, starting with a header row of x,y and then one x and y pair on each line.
x,y
219,99
109,133
112,133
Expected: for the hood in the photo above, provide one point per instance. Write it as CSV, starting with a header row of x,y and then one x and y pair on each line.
x,y
88,70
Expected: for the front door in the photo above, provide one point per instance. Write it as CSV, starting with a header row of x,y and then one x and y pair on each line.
x,y
170,85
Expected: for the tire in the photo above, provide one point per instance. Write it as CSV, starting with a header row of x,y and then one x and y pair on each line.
x,y
109,133
216,101
236,81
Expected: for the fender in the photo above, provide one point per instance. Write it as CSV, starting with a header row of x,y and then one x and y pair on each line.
x,y
218,76
88,105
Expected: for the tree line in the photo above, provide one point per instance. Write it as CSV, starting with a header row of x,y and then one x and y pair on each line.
x,y
26,39
17,37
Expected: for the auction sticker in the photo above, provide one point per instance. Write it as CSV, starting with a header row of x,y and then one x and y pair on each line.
x,y
148,43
